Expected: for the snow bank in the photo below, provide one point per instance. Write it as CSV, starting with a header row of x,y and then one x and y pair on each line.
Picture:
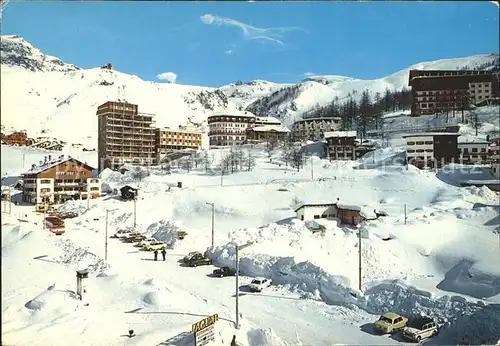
x,y
81,257
53,302
165,231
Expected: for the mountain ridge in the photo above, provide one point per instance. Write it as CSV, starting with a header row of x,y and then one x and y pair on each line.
x,y
43,94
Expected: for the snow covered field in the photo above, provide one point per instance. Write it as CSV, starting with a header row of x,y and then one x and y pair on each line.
x,y
443,262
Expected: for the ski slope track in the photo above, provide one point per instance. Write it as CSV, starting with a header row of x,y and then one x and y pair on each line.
x,y
42,94
442,262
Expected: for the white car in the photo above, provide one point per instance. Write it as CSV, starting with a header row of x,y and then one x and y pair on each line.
x,y
122,233
145,242
258,284
155,245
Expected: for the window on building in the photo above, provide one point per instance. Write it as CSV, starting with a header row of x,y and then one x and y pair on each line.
x,y
411,143
474,150
316,216
45,181
420,143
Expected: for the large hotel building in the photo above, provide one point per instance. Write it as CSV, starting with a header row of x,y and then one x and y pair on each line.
x,y
440,91
124,136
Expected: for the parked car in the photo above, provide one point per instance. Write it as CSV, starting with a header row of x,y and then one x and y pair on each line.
x,y
190,255
390,323
122,233
68,215
258,284
198,260
155,245
133,238
420,328
145,241
224,271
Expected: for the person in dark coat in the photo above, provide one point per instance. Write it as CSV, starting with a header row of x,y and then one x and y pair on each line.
x,y
163,253
233,342
156,255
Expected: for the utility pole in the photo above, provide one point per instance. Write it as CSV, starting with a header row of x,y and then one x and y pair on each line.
x,y
359,259
106,235
213,212
312,168
405,213
238,248
135,210
221,176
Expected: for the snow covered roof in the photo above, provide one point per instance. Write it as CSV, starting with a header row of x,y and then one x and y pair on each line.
x,y
53,164
423,134
328,204
268,120
472,139
340,134
229,113
265,128
313,204
348,206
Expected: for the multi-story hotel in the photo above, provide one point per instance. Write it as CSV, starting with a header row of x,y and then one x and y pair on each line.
x,y
125,136
232,128
228,128
168,140
266,129
314,128
432,149
60,180
437,91
341,145
475,151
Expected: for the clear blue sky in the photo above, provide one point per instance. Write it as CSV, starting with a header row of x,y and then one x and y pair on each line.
x,y
216,43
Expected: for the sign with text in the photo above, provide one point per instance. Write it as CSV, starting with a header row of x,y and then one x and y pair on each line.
x,y
204,330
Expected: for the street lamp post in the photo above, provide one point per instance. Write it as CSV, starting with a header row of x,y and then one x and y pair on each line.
x,y
213,212
106,236
238,248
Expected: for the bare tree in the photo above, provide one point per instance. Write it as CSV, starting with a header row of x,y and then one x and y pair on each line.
x,y
297,158
475,122
187,163
239,157
250,161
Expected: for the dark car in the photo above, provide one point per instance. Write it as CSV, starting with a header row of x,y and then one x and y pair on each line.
x,y
190,255
224,271
68,215
198,260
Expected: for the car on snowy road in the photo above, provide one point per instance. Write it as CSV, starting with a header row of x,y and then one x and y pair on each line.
x,y
420,328
190,255
155,245
199,260
224,271
259,284
390,323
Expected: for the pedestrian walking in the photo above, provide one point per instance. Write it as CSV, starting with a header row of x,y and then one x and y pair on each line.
x,y
163,253
156,255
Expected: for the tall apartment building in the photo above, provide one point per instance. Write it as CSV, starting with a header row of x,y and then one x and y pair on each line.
x,y
168,140
314,128
438,91
125,136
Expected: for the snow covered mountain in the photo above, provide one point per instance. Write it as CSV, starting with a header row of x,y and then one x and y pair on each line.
x,y
43,94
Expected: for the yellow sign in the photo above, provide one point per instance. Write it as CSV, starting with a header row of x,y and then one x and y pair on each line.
x,y
207,322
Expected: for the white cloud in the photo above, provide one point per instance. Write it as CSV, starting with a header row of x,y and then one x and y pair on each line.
x,y
309,74
168,76
274,35
229,52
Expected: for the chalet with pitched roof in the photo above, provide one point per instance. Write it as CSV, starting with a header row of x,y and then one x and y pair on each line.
x,y
60,180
